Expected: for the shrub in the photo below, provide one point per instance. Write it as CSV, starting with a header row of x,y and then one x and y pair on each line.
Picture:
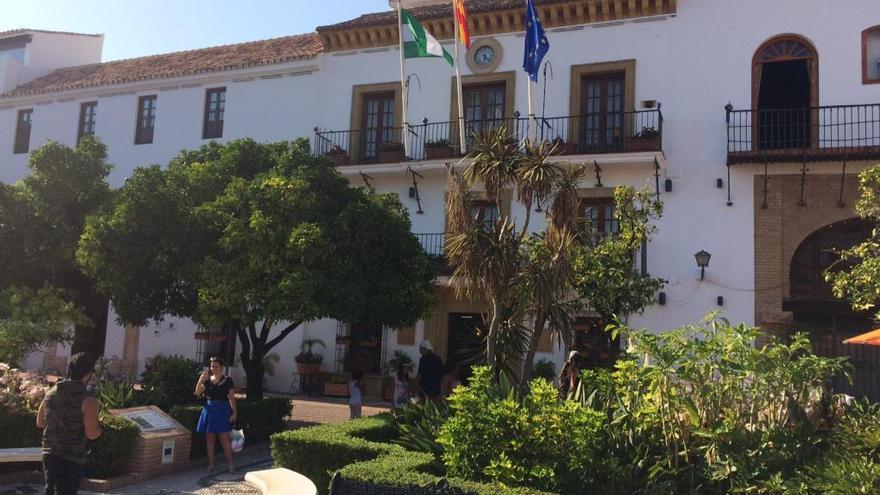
x,y
355,449
544,369
418,427
21,390
536,441
19,429
171,380
109,452
319,451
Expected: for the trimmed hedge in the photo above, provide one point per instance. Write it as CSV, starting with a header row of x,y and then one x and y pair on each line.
x,y
260,419
360,451
19,429
109,452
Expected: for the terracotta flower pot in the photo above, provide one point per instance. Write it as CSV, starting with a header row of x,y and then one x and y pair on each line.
x,y
307,369
339,158
440,152
336,389
390,156
636,144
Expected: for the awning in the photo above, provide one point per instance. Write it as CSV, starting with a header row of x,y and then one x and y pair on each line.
x,y
870,338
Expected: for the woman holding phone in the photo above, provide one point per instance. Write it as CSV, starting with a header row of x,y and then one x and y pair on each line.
x,y
219,413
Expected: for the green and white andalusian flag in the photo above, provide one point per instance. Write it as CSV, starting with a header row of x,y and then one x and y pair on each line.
x,y
419,43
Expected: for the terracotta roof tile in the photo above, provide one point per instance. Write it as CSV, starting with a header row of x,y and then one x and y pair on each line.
x,y
214,59
431,12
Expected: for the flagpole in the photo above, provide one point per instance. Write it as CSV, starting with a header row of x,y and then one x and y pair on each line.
x,y
461,131
405,130
533,130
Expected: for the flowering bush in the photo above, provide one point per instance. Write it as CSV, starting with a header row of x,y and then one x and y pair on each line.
x,y
21,390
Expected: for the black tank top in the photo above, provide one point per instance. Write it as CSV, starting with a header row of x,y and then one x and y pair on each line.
x,y
65,434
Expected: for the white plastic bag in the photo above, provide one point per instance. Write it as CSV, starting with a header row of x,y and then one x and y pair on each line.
x,y
236,438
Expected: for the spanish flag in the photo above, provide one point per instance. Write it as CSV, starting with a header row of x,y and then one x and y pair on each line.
x,y
461,18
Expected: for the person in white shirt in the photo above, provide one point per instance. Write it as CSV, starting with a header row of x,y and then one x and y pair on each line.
x,y
355,395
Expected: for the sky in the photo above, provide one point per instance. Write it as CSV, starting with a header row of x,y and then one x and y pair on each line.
x,y
137,28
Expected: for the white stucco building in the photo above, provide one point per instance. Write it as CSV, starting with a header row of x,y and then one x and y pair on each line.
x,y
637,87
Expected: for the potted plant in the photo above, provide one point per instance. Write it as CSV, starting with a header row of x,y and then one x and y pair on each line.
x,y
338,155
307,362
439,149
390,152
336,386
648,139
561,146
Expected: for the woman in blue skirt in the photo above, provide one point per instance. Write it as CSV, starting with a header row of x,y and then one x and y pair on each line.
x,y
219,413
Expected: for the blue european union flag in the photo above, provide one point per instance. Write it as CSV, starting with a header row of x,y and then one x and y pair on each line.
x,y
536,43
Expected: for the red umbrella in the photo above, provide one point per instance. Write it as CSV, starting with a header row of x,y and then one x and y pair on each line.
x,y
870,338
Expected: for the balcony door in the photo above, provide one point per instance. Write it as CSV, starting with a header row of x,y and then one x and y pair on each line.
x,y
602,101
483,108
785,93
378,126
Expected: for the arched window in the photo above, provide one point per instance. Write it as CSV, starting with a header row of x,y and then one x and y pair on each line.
x,y
785,86
871,55
818,252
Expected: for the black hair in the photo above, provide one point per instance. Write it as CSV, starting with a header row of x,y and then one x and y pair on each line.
x,y
357,375
216,359
80,365
401,371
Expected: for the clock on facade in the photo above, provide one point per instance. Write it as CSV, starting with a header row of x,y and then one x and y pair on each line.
x,y
484,55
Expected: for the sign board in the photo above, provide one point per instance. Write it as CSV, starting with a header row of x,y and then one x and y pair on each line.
x,y
149,421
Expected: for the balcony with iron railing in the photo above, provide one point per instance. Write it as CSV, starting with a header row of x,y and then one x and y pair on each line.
x,y
605,133
842,132
435,244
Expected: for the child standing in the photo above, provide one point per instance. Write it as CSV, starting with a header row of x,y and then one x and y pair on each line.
x,y
401,385
355,397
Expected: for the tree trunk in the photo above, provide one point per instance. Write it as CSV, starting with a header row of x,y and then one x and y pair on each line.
x,y
92,337
492,340
537,332
254,370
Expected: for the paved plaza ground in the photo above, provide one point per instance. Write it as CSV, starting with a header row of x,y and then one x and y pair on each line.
x,y
197,482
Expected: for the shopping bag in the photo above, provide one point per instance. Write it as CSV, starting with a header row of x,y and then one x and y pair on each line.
x,y
236,438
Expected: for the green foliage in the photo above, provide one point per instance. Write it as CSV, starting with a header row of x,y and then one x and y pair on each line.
x,y
359,450
245,235
418,427
858,278
604,273
19,429
170,380
31,320
710,411
109,452
43,217
536,441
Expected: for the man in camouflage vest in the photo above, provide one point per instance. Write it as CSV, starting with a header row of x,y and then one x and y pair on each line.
x,y
69,419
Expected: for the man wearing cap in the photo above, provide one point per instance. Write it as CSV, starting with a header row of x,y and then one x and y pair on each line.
x,y
69,419
430,371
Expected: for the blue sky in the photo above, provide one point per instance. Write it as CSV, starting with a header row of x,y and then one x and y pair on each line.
x,y
133,29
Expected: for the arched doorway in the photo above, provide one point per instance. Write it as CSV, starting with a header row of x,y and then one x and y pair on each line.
x,y
829,321
785,89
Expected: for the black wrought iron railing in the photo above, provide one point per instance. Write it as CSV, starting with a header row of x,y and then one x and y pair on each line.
x,y
433,244
612,132
828,132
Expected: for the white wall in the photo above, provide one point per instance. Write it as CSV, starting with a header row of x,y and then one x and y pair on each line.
x,y
693,63
49,51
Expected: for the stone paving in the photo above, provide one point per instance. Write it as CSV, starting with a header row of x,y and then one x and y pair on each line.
x,y
197,482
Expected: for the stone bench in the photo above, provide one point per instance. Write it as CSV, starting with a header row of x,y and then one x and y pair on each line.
x,y
30,454
280,481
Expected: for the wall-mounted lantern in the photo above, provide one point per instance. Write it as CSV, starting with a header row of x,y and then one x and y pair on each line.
x,y
702,261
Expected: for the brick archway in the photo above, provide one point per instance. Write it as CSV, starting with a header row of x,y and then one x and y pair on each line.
x,y
783,225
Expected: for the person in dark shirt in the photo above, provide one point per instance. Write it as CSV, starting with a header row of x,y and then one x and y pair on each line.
x,y
430,371
219,413
69,419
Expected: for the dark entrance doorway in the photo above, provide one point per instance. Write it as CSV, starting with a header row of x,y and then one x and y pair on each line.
x,y
827,320
465,343
785,91
784,105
